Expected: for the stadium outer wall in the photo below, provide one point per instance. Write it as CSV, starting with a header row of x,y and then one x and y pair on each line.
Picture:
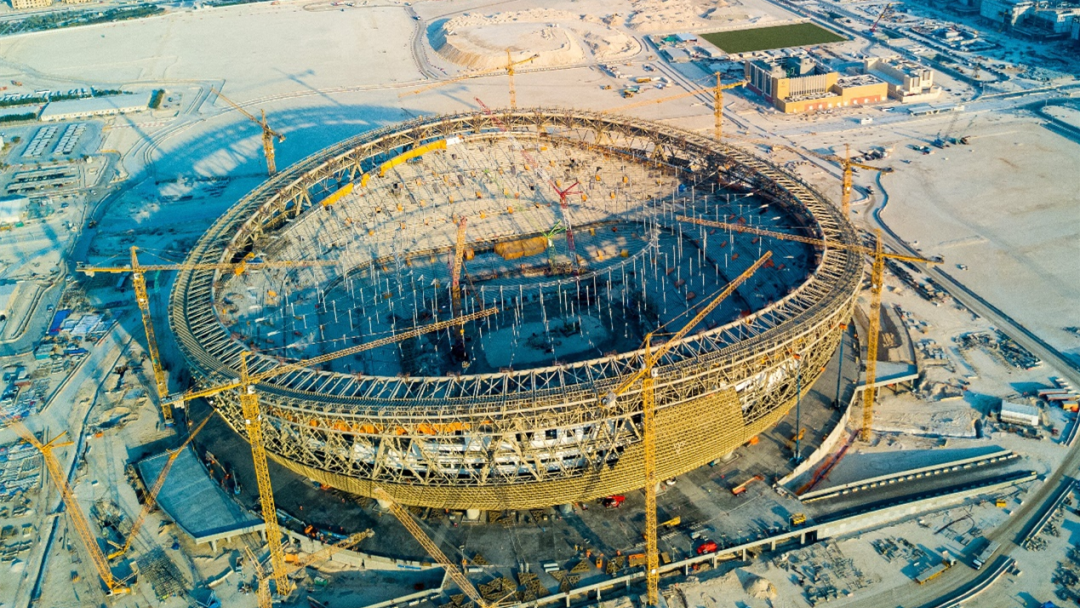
x,y
538,437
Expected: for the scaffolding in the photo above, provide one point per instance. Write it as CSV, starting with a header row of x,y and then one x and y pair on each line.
x,y
528,434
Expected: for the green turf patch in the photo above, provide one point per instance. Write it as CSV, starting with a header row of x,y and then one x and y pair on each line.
x,y
777,37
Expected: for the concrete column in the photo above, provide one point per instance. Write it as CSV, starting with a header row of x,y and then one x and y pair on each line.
x,y
773,548
743,552
566,509
472,514
802,538
213,546
383,504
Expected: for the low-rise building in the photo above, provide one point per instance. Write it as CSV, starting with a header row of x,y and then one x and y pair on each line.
x,y
1005,12
20,5
1019,413
799,84
74,109
1053,21
676,54
908,81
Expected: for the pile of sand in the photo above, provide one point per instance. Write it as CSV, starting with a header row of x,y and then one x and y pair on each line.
x,y
759,588
558,38
670,16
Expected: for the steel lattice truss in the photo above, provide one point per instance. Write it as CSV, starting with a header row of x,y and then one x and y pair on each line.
x,y
541,436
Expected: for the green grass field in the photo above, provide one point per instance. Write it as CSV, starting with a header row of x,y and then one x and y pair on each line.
x,y
777,37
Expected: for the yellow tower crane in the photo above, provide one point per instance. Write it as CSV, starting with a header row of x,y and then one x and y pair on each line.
x,y
877,277
455,268
648,417
262,589
718,102
845,162
75,512
138,281
268,134
433,550
151,497
509,68
249,405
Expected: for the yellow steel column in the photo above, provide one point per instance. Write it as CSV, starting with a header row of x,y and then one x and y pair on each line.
x,y
138,281
249,404
648,416
877,275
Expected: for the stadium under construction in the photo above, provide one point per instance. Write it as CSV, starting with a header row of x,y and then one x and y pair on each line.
x,y
554,233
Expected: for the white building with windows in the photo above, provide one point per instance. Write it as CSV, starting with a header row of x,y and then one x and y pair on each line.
x,y
909,82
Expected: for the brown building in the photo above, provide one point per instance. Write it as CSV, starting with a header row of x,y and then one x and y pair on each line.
x,y
27,4
799,84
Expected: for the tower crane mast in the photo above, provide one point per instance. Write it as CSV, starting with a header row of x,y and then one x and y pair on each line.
x,y
535,166
138,281
262,592
509,68
877,276
151,497
718,102
432,549
268,134
249,404
75,512
881,15
455,268
648,417
845,162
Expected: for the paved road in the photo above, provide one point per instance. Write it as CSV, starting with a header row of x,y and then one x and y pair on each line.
x,y
962,578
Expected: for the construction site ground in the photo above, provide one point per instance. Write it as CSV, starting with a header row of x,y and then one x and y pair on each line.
x,y
702,500
326,74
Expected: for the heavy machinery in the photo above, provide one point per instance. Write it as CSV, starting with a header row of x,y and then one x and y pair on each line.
x,y
268,134
151,497
740,489
944,139
263,595
249,404
75,512
433,550
877,277
885,11
509,67
564,207
795,439
718,102
138,281
648,417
